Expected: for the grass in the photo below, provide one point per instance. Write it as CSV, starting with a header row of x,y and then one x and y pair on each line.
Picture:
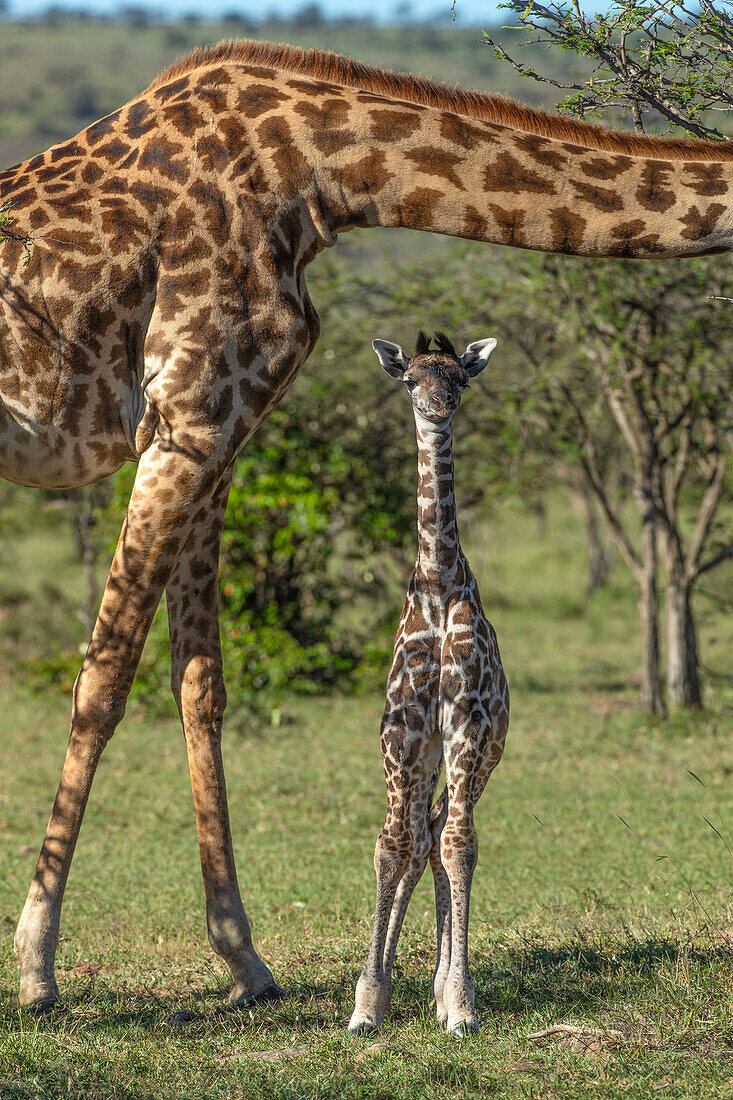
x,y
604,882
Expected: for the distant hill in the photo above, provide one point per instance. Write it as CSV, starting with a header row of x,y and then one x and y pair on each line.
x,y
57,77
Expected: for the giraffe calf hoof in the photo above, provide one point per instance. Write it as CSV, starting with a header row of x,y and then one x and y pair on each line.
x,y
459,1029
271,993
362,1027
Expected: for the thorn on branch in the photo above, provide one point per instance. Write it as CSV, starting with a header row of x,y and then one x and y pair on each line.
x,y
8,234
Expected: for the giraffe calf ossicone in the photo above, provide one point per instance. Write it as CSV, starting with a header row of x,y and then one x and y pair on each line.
x,y
447,699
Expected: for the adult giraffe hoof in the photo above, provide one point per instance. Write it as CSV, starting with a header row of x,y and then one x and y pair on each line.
x,y
43,1007
459,1029
268,995
38,995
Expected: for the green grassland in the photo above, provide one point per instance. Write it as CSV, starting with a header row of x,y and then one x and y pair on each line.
x,y
605,876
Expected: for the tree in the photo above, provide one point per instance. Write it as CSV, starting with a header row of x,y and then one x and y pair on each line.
x,y
86,505
660,60
670,62
631,382
310,15
600,548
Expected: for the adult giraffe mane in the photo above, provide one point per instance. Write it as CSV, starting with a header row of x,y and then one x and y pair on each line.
x,y
337,69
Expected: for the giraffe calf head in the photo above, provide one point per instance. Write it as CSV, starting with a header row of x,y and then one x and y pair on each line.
x,y
435,377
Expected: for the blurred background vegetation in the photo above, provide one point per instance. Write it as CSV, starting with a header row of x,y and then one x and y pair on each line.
x,y
598,365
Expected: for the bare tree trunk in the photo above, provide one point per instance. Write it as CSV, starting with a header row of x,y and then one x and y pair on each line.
x,y
84,524
644,568
83,503
652,697
683,678
651,686
599,553
538,508
683,568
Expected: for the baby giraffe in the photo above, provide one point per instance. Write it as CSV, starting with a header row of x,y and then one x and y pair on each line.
x,y
447,699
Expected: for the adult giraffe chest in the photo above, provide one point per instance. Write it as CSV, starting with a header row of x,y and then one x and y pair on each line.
x,y
71,370
93,330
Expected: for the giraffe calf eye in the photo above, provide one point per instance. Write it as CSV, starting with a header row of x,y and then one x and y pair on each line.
x,y
410,383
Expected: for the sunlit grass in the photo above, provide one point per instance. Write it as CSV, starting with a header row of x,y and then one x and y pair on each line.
x,y
603,885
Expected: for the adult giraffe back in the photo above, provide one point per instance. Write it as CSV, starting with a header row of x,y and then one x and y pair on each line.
x,y
164,312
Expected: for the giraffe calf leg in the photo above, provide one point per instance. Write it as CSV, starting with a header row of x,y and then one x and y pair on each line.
x,y
459,852
411,760
408,882
392,858
442,907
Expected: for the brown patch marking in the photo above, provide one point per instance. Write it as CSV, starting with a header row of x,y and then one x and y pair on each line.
x,y
429,164
699,225
507,173
602,198
510,224
654,192
568,230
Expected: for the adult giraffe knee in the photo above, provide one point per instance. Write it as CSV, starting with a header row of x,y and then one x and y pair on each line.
x,y
201,697
97,708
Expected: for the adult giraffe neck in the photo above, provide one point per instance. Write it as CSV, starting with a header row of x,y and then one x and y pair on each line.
x,y
280,150
416,167
437,528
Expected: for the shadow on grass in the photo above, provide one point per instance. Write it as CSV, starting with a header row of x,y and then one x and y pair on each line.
x,y
576,976
51,1086
552,980
306,1006
572,978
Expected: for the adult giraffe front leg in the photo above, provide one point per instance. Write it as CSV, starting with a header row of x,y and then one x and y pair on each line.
x,y
197,680
170,478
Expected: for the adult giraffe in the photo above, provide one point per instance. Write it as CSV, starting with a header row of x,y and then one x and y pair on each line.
x,y
164,312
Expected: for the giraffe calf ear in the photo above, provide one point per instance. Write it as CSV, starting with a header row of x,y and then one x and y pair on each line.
x,y
476,356
391,356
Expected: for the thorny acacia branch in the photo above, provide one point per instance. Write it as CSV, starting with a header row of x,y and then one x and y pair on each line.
x,y
661,58
8,234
